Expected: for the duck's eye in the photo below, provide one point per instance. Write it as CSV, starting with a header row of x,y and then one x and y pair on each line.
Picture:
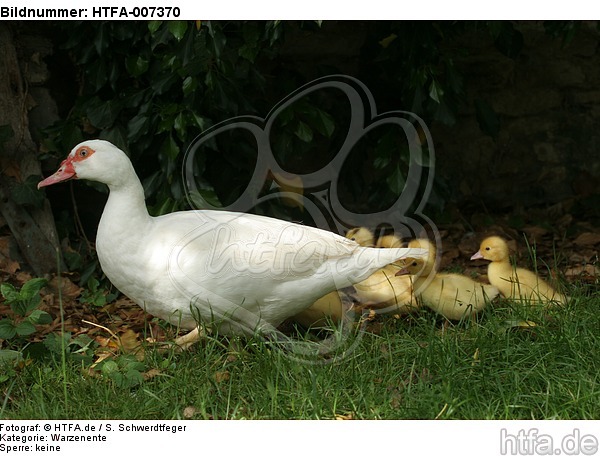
x,y
83,153
353,239
414,263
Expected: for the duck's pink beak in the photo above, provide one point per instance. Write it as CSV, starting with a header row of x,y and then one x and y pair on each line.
x,y
402,271
477,256
65,172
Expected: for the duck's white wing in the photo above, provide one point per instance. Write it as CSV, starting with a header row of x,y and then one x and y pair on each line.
x,y
247,263
270,249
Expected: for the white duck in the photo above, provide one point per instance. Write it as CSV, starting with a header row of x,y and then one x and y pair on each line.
x,y
241,273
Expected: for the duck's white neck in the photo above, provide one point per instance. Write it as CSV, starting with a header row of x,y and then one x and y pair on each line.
x,y
125,209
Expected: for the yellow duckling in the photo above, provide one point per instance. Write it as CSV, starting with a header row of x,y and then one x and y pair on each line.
x,y
325,311
388,241
362,236
453,296
383,289
329,309
514,283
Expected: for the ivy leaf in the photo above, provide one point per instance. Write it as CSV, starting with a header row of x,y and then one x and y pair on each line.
x,y
115,135
100,41
324,123
179,125
248,52
152,183
177,29
137,127
381,161
436,92
202,122
189,85
163,82
153,26
97,73
102,114
170,148
26,193
303,132
136,65
218,39
204,199
396,181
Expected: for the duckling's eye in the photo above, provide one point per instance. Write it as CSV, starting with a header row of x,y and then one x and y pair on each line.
x,y
353,239
414,263
487,248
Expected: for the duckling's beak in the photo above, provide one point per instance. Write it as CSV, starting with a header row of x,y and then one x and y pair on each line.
x,y
477,256
402,271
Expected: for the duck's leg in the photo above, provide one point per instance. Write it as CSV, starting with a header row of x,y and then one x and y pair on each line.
x,y
187,340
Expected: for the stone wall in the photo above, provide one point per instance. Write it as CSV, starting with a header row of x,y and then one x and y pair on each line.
x,y
548,103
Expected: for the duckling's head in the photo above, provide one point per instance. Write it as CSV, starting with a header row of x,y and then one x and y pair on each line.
x,y
419,266
493,248
362,236
425,244
413,266
389,241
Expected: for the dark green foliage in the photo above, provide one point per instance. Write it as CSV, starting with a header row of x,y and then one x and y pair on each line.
x,y
26,193
416,67
6,132
23,303
152,87
145,87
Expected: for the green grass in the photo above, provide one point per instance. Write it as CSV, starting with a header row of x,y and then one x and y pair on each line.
x,y
415,369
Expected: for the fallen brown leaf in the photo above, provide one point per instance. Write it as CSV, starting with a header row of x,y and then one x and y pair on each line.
x,y
7,264
589,270
23,277
222,376
101,357
468,245
534,232
583,255
190,411
587,239
68,290
151,374
449,255
130,343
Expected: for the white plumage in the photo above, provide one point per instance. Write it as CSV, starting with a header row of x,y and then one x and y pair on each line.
x,y
240,272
